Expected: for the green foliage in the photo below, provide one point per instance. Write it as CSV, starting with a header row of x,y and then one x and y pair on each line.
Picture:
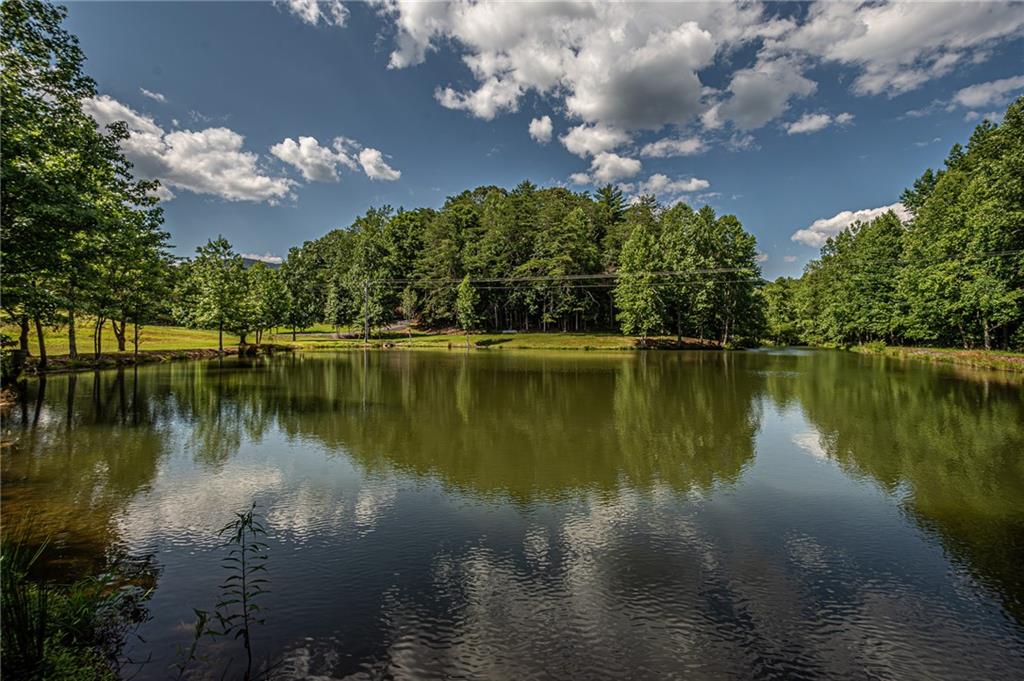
x,y
466,302
781,322
212,290
55,631
238,611
952,276
636,295
77,229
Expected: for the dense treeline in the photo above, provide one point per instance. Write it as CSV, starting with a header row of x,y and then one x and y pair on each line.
x,y
534,259
953,275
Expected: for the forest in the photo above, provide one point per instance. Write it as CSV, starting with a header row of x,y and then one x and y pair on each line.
x,y
951,276
82,237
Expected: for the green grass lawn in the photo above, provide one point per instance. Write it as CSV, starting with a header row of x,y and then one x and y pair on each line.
x,y
322,337
150,338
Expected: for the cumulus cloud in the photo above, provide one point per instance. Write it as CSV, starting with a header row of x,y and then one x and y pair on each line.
x,y
815,122
660,184
541,129
899,46
789,258
210,161
375,167
313,12
762,257
760,94
316,163
994,92
991,116
607,167
626,66
590,140
820,230
668,147
633,67
155,96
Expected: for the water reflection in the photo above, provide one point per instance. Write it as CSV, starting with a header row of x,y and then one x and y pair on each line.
x,y
530,516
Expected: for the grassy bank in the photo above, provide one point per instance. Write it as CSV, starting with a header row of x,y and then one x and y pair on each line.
x,y
497,341
162,338
163,343
977,359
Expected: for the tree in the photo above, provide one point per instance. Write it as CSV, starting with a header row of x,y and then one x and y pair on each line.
x,y
636,292
466,303
266,299
781,320
212,292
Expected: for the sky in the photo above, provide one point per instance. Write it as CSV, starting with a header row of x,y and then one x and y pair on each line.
x,y
273,123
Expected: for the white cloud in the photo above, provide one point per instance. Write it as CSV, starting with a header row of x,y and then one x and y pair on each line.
x,y
994,92
266,257
815,122
661,185
789,258
761,93
607,167
319,163
315,162
898,46
668,147
330,12
590,140
210,161
991,116
820,230
762,257
155,96
637,66
541,129
493,97
375,167
626,66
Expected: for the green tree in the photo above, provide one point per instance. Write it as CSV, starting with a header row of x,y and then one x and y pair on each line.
x,y
466,302
212,291
636,292
266,299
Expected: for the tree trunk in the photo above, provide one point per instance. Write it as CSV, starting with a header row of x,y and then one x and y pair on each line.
x,y
220,337
987,333
72,339
97,337
293,333
42,344
119,333
23,336
135,340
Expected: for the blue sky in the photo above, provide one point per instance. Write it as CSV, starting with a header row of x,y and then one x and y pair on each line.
x,y
274,123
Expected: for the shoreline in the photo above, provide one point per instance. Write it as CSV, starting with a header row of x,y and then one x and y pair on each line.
x,y
552,341
998,360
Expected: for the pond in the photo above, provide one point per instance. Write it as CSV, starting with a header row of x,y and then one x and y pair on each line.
x,y
502,514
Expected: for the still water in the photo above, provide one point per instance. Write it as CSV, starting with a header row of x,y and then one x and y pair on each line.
x,y
510,515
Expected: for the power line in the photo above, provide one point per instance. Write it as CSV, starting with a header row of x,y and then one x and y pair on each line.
x,y
563,277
